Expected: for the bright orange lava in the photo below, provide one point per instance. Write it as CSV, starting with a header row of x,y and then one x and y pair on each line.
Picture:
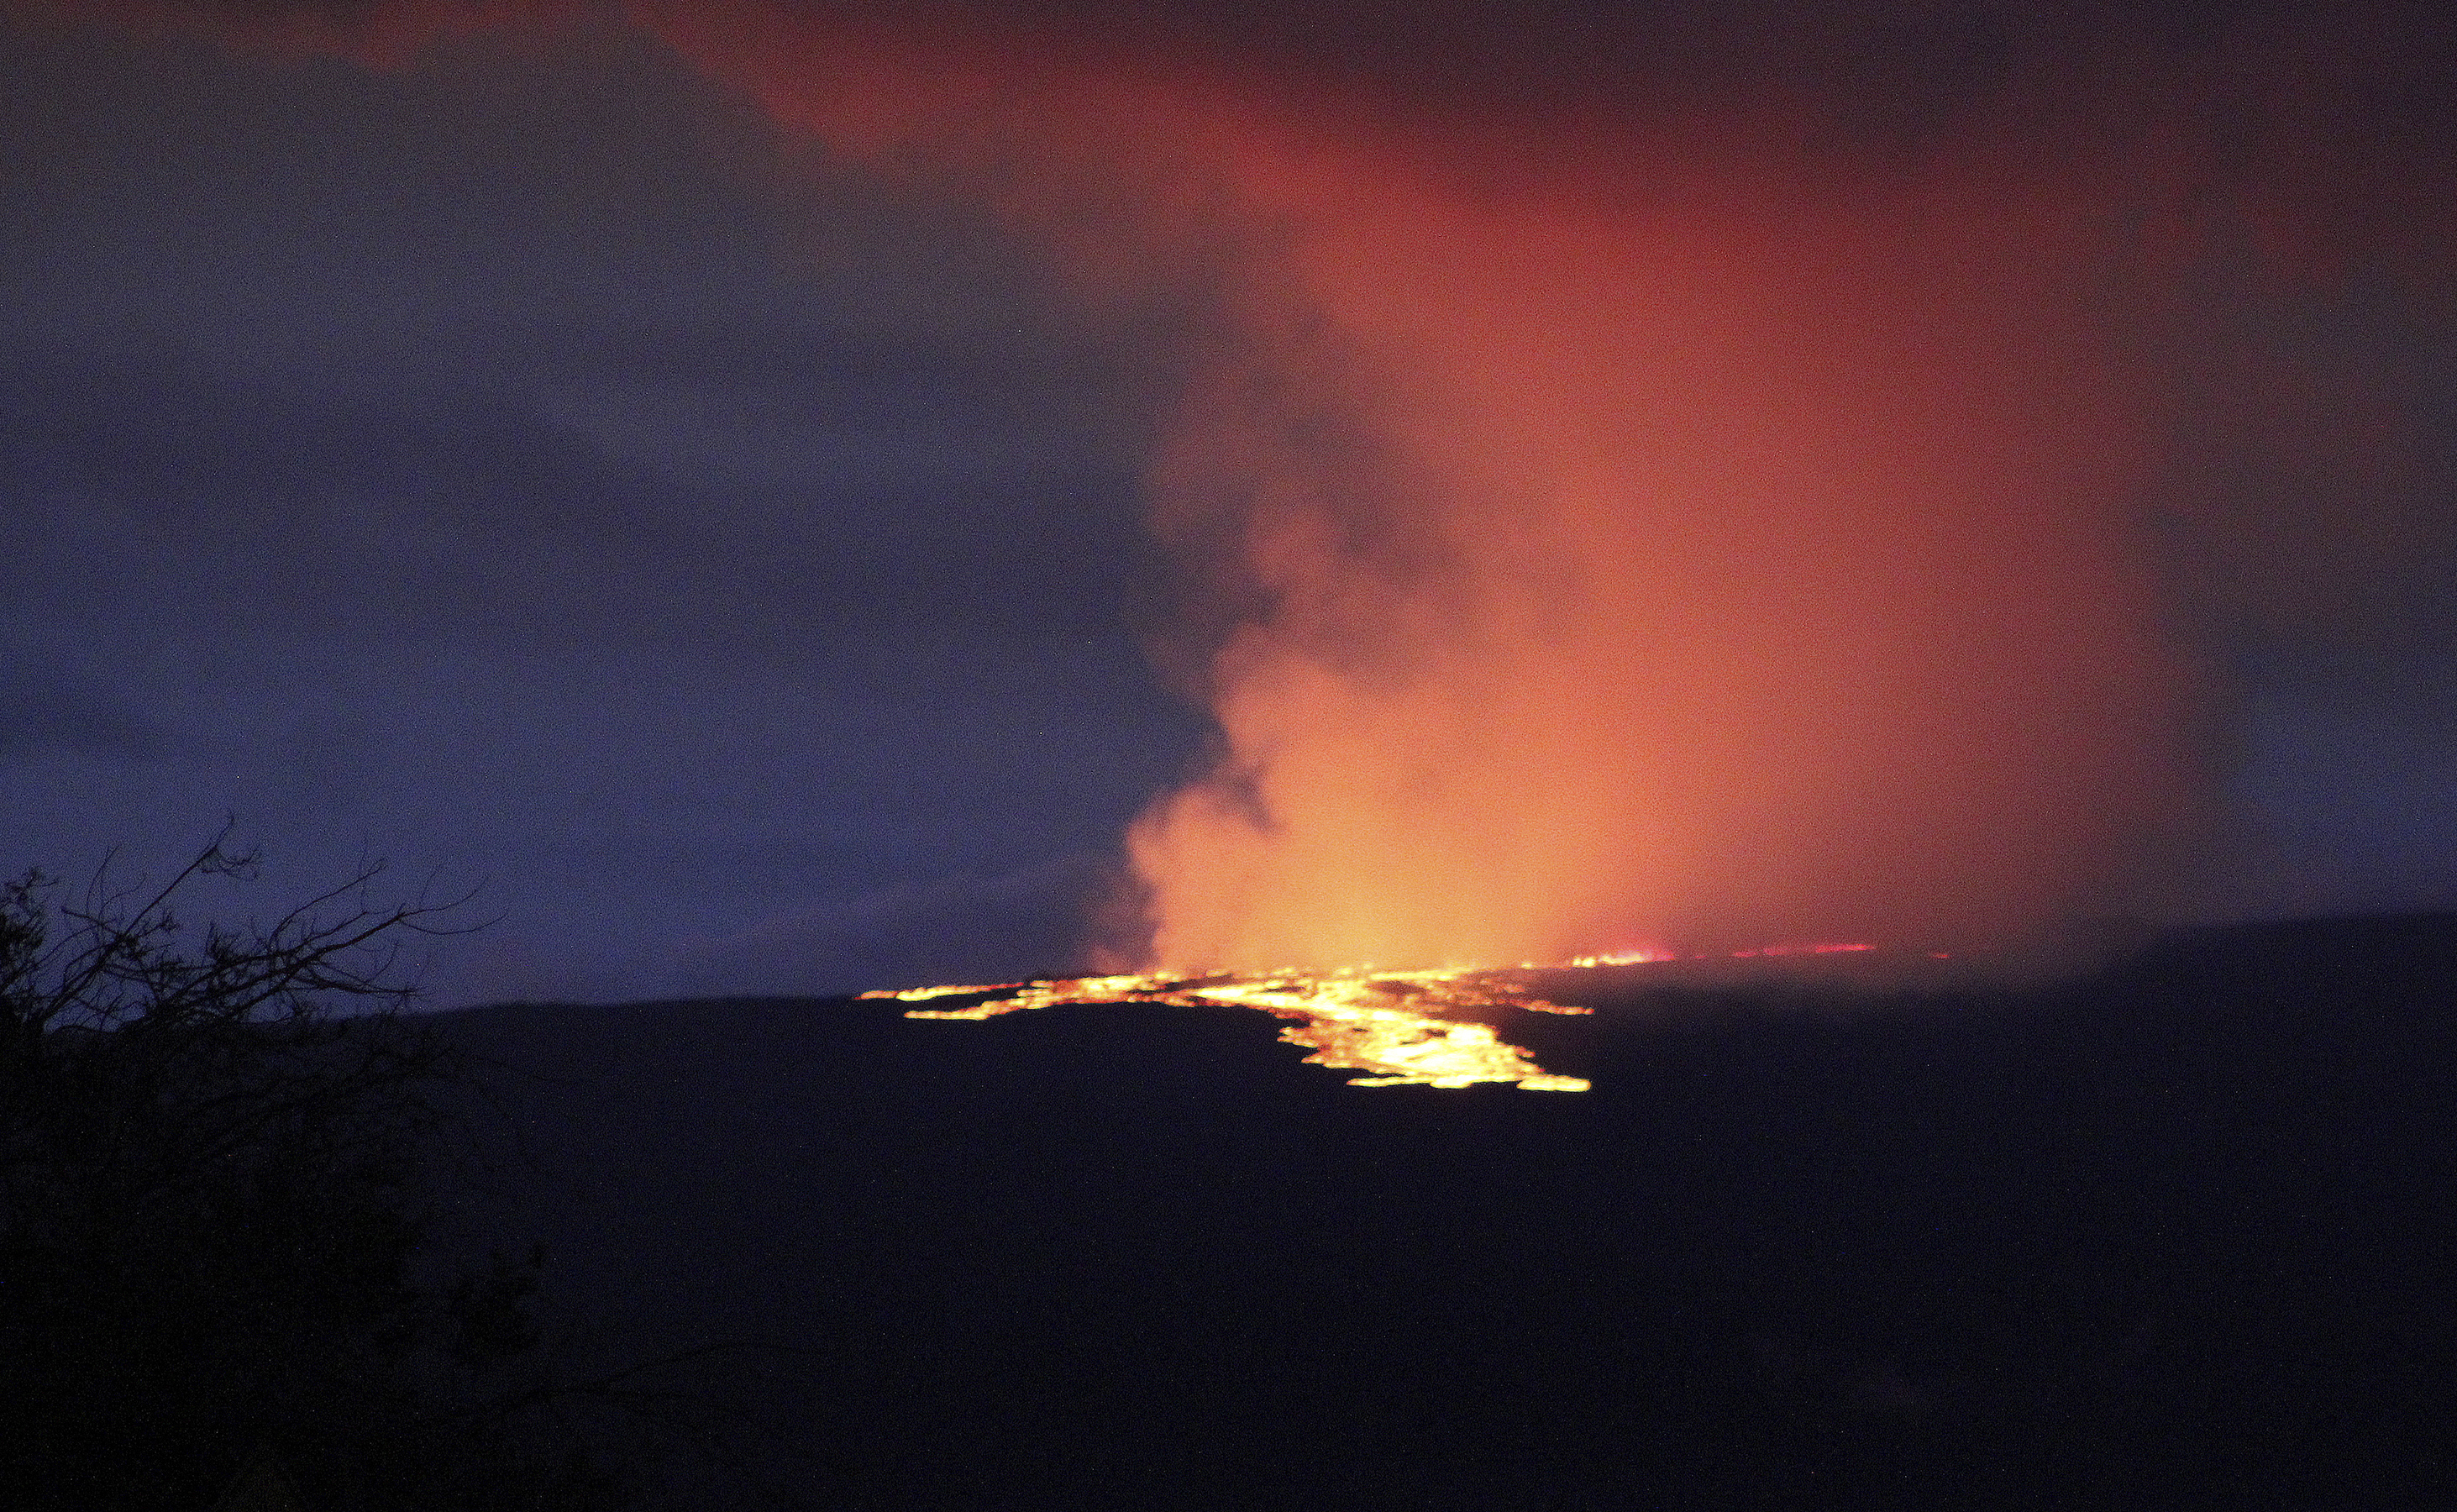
x,y
1405,1029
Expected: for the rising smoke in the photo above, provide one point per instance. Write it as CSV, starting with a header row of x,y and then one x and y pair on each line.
x,y
1674,481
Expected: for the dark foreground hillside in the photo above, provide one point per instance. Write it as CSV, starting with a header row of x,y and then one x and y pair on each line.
x,y
2178,1235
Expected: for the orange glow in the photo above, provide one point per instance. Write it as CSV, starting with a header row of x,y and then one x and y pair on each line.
x,y
1690,519
1800,950
1625,957
1404,1028
1643,533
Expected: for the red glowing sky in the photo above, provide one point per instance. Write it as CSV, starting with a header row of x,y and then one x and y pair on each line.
x,y
1674,479
1666,525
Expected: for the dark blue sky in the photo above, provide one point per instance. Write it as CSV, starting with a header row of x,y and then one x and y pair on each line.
x,y
504,468
529,468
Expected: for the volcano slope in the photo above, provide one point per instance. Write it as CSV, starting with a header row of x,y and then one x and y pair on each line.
x,y
2179,1234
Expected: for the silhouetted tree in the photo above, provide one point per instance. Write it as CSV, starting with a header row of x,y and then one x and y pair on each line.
x,y
214,1149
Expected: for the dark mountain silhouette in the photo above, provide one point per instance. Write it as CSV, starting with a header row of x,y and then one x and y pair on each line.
x,y
2179,1234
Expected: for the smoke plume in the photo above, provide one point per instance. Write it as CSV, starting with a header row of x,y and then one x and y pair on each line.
x,y
1640,538
1655,479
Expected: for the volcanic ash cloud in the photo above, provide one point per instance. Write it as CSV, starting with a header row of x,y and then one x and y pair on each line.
x,y
1646,505
1750,565
1616,534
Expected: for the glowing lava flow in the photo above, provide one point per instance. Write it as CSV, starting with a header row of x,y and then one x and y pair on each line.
x,y
1397,1026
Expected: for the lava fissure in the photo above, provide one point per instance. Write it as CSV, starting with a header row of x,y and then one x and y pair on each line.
x,y
1403,1029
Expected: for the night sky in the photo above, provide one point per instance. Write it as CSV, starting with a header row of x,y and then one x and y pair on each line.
x,y
537,456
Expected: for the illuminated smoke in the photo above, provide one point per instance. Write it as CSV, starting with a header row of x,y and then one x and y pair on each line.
x,y
1640,549
1742,569
1630,523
